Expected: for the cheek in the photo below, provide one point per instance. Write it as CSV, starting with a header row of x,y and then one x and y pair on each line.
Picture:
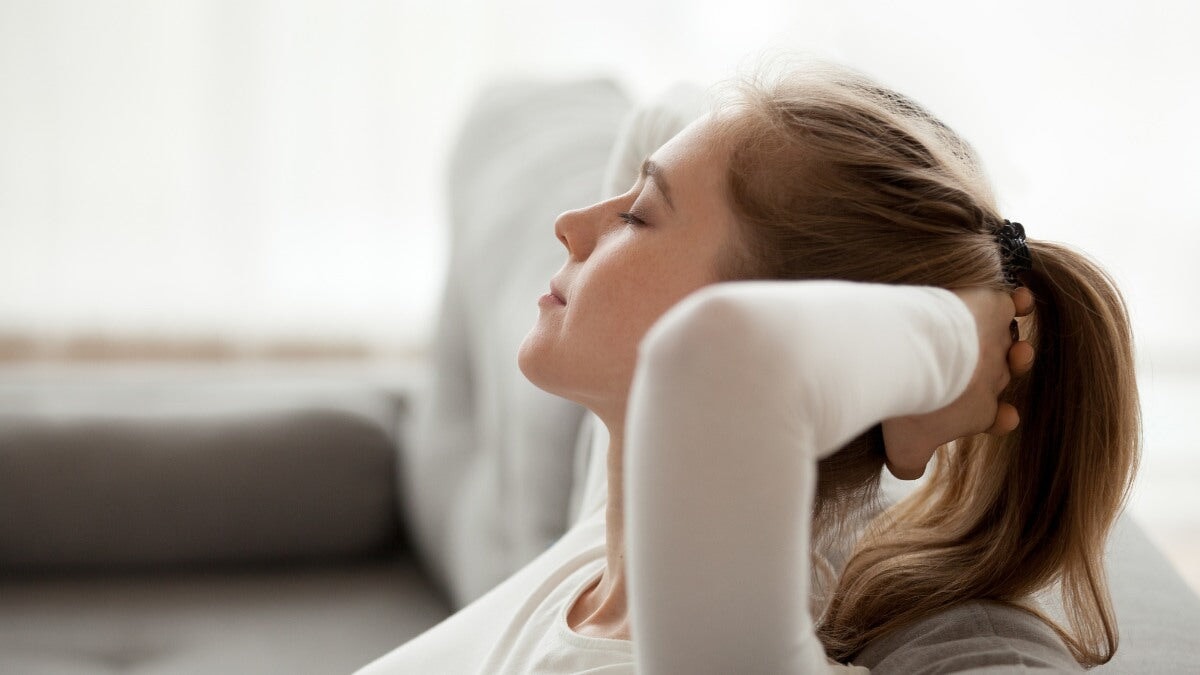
x,y
619,305
591,344
626,297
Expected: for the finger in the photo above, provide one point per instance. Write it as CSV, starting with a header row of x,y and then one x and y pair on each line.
x,y
1007,419
1020,358
1023,301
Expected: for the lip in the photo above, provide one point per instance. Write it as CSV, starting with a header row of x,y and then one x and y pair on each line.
x,y
551,300
558,294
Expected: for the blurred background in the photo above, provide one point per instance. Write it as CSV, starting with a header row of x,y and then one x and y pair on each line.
x,y
216,181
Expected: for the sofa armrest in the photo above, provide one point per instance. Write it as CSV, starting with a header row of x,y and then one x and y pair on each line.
x,y
187,474
1157,612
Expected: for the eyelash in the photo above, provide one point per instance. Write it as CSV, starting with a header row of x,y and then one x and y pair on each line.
x,y
632,219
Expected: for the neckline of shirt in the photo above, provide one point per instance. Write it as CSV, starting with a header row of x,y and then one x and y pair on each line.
x,y
591,573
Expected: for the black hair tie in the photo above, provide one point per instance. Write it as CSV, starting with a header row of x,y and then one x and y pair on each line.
x,y
1013,250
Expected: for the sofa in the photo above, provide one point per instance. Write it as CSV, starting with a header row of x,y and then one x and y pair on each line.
x,y
307,518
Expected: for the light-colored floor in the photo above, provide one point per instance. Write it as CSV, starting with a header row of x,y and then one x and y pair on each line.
x,y
1166,496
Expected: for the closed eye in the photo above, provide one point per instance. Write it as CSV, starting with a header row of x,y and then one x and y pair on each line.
x,y
631,219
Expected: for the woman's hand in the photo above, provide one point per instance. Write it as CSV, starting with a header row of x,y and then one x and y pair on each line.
x,y
910,441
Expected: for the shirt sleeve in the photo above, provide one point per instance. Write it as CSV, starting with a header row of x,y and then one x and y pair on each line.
x,y
738,391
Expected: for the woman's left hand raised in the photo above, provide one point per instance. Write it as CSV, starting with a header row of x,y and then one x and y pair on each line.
x,y
911,441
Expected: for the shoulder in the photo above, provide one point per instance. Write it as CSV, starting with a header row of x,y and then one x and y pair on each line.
x,y
972,637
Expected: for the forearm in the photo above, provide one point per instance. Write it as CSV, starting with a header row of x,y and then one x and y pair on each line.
x,y
738,391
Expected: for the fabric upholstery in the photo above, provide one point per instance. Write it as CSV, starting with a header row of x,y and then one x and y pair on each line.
x,y
199,492
99,472
977,637
1157,613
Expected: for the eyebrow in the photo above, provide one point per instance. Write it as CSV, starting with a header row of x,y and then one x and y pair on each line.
x,y
649,168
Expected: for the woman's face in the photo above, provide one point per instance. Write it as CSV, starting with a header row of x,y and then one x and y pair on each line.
x,y
629,259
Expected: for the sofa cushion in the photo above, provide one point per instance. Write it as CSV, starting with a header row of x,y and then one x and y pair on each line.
x,y
971,638
1157,613
98,471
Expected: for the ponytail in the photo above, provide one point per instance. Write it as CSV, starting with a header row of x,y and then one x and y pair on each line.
x,y
1078,447
1002,518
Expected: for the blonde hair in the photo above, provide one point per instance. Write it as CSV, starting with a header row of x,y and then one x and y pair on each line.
x,y
834,176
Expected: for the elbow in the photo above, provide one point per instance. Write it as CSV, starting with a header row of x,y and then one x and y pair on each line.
x,y
694,329
719,329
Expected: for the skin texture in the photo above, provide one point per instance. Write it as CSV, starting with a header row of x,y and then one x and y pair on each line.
x,y
621,274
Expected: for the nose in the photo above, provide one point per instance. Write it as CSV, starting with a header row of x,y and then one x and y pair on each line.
x,y
576,229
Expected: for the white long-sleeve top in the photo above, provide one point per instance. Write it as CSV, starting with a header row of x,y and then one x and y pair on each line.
x,y
738,391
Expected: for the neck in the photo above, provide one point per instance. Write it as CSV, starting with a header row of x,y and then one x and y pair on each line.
x,y
615,516
602,611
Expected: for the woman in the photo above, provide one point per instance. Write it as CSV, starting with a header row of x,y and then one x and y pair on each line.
x,y
720,398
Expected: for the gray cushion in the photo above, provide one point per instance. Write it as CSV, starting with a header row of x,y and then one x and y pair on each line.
x,y
106,471
977,637
1158,614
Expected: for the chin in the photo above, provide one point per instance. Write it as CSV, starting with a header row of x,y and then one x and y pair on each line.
x,y
540,366
531,360
543,362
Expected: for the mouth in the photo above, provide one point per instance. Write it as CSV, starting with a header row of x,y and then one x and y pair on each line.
x,y
554,298
551,300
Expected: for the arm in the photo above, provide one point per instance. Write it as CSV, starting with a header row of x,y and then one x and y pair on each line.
x,y
738,391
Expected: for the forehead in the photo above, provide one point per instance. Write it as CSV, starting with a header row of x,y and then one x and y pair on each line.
x,y
694,163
